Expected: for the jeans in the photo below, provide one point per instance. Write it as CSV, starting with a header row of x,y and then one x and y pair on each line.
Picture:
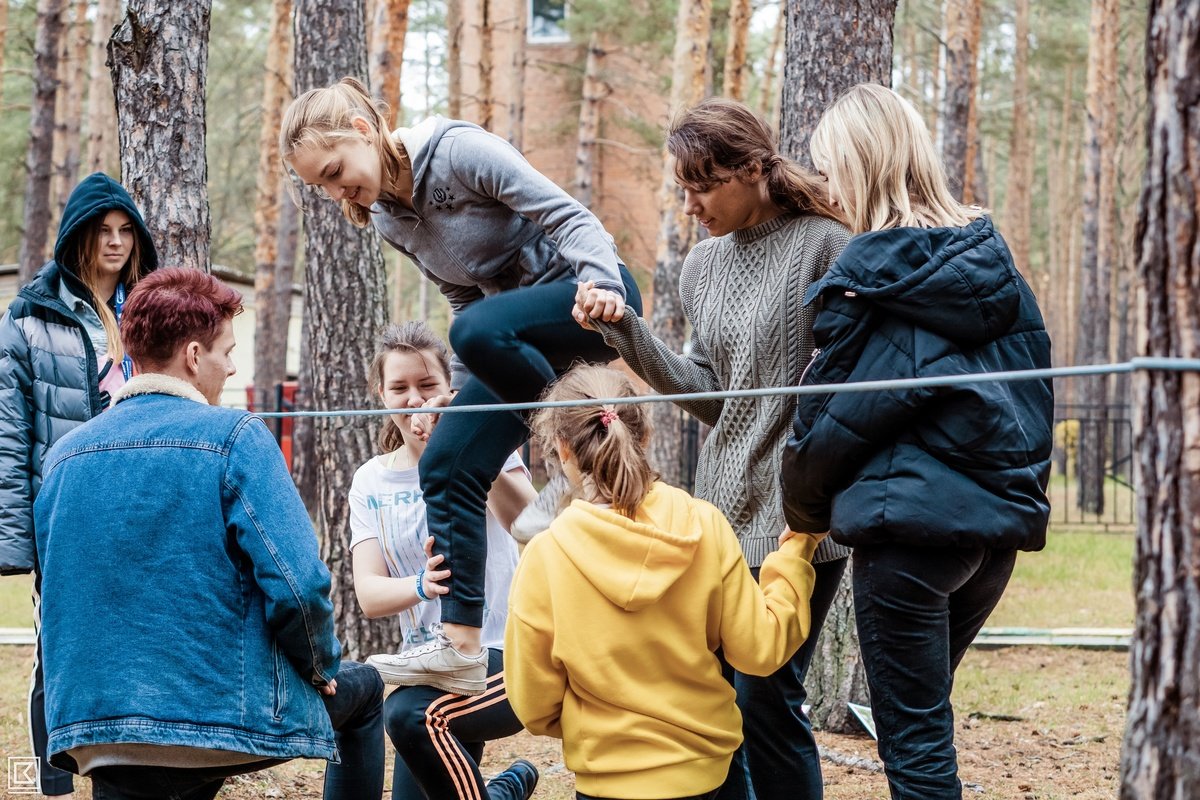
x,y
918,609
439,738
515,344
778,759
356,714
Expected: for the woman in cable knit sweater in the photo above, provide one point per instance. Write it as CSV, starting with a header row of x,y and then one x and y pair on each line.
x,y
771,235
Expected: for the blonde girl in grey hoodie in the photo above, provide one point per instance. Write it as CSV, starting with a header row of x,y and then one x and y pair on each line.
x,y
507,247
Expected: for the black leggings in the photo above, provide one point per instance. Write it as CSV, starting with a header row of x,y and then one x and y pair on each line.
x,y
514,344
439,738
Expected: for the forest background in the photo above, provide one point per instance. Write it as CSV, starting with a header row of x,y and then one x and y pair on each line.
x,y
1031,140
1041,111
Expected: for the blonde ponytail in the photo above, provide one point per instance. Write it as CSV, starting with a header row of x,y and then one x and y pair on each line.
x,y
608,442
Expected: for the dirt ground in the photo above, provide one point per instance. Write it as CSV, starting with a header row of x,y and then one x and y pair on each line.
x,y
1033,724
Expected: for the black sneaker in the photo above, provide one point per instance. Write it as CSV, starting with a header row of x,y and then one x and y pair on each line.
x,y
517,782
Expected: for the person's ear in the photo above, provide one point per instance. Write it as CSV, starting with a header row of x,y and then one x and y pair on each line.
x,y
361,125
191,358
564,452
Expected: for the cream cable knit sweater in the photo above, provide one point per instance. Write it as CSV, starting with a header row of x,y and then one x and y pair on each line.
x,y
742,294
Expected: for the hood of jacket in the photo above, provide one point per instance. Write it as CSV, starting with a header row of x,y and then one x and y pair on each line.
x,y
95,195
421,140
632,562
960,283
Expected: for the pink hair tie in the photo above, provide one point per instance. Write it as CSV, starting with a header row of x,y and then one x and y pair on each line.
x,y
607,415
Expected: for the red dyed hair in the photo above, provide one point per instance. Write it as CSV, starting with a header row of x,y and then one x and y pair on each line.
x,y
171,307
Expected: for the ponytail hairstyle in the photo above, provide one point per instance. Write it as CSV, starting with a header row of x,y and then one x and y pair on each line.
x,y
882,167
607,441
720,139
83,255
323,117
412,337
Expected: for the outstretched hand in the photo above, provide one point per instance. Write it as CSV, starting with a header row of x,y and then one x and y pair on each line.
x,y
422,424
592,303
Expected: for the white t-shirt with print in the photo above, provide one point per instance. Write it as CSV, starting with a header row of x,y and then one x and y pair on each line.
x,y
386,504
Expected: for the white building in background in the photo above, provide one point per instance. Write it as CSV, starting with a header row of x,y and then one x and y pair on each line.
x,y
243,328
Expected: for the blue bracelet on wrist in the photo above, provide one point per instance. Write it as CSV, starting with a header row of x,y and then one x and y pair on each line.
x,y
420,589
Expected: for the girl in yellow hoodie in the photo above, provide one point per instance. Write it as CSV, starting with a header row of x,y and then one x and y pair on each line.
x,y
618,610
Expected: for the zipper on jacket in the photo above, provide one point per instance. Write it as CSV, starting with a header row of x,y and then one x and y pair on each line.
x,y
811,360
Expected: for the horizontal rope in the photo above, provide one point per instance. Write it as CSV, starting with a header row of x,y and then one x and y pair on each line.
x,y
1145,364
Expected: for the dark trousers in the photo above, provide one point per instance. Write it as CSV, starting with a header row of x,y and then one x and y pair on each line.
x,y
439,739
514,344
918,608
709,796
778,759
356,714
51,779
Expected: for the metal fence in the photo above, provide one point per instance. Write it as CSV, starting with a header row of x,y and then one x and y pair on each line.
x,y
1110,427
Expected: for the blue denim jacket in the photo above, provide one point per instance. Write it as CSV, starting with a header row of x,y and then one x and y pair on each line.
x,y
184,601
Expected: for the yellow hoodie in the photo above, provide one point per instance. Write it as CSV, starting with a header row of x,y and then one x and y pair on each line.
x,y
613,624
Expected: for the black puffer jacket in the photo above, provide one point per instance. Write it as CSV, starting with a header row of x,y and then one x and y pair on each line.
x,y
942,466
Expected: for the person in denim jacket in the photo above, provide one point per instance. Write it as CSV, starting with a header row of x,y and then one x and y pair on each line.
x,y
187,626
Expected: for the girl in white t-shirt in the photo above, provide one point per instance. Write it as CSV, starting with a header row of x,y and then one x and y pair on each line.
x,y
438,735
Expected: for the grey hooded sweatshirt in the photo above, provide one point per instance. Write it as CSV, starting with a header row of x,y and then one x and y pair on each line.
x,y
485,221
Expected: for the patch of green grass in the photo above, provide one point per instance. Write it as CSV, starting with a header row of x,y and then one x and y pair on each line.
x,y
16,662
1081,580
16,609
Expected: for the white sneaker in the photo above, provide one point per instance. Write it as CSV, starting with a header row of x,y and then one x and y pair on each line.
x,y
435,664
537,516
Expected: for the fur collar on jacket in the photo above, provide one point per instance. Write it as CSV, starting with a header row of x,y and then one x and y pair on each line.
x,y
157,383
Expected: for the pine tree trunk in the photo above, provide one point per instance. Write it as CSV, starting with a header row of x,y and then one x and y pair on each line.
x,y
271,333
735,51
159,58
1097,257
963,21
1159,755
39,157
487,89
935,77
387,56
1061,230
516,103
832,46
1020,163
1130,169
68,124
768,98
101,106
594,92
676,230
454,54
345,309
